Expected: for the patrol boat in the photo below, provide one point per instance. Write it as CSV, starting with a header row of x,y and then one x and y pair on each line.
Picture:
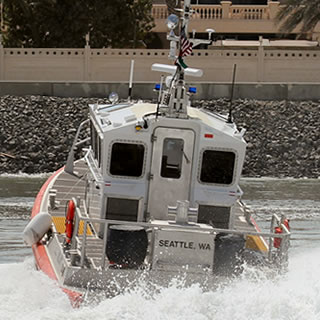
x,y
156,193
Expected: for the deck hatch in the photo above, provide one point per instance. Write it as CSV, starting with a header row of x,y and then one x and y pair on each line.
x,y
122,209
219,216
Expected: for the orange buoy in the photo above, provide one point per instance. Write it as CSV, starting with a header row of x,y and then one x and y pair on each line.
x,y
69,221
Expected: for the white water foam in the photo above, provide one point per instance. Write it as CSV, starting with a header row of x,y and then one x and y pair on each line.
x,y
24,202
28,294
26,175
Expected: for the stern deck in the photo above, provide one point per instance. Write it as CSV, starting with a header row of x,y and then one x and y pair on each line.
x,y
67,186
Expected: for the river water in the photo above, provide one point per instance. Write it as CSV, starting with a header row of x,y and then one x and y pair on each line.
x,y
28,294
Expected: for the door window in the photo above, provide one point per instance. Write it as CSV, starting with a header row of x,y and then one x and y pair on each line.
x,y
172,154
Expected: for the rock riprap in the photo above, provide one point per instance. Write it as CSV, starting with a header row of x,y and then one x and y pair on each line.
x,y
36,133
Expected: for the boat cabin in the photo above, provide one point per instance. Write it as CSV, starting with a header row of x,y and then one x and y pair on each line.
x,y
143,163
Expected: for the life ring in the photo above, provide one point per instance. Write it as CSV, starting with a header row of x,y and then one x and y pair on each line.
x,y
69,221
279,230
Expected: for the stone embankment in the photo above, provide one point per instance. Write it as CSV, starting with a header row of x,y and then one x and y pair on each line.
x,y
283,137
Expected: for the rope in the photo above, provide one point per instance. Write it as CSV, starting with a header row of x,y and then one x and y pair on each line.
x,y
71,189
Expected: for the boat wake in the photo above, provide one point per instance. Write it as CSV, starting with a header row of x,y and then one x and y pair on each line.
x,y
28,294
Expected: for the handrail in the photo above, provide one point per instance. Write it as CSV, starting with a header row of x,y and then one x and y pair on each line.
x,y
92,167
284,246
70,161
281,254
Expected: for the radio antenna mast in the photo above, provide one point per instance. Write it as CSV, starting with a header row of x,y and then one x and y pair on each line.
x,y
232,90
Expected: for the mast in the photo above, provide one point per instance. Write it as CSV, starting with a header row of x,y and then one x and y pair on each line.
x,y
176,99
179,99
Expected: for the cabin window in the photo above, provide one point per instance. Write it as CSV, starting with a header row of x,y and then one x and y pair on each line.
x,y
127,159
172,155
99,151
96,143
122,209
94,140
217,167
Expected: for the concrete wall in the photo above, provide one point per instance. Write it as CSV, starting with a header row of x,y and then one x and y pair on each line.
x,y
254,64
260,91
263,71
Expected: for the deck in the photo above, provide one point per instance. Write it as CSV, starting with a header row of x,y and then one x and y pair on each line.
x,y
67,186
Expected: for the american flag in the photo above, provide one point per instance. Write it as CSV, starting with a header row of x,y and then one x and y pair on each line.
x,y
186,45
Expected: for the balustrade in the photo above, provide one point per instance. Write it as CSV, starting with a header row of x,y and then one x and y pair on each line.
x,y
207,12
210,12
250,12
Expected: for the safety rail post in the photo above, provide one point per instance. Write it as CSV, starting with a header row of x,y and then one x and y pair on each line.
x,y
104,247
270,238
283,254
84,243
284,245
77,224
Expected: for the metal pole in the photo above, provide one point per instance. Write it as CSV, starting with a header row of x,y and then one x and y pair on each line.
x,y
270,239
84,240
130,80
232,90
105,235
159,96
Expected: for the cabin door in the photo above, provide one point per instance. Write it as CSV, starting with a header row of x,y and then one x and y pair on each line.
x,y
170,169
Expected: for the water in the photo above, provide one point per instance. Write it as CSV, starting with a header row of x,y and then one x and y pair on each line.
x,y
26,293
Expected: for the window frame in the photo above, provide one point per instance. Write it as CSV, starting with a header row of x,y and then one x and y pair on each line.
x,y
96,143
162,168
135,142
219,150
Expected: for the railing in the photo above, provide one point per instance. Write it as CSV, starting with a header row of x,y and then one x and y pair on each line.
x,y
93,167
159,11
249,12
76,143
226,11
207,12
284,245
278,256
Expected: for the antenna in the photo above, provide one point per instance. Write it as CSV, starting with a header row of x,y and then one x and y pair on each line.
x,y
130,80
159,97
232,89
